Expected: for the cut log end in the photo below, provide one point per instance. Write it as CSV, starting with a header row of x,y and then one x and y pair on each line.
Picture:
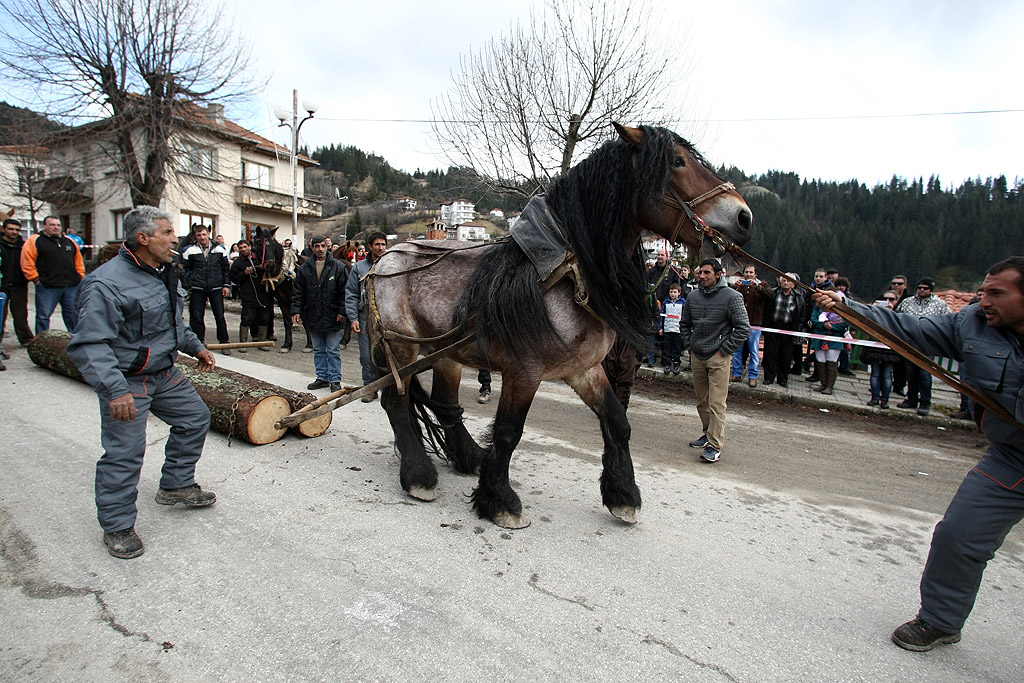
x,y
261,428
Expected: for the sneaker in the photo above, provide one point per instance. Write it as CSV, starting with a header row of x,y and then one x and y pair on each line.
x,y
711,454
335,386
962,415
265,348
192,496
752,383
4,355
907,405
918,635
484,397
884,405
873,402
124,544
923,411
700,443
242,350
308,349
735,378
318,384
783,384
225,352
369,399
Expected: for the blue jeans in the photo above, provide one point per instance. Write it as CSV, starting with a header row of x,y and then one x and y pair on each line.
x,y
47,299
327,354
919,386
754,367
881,381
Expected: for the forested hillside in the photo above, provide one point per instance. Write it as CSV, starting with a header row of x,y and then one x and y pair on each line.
x,y
869,234
914,227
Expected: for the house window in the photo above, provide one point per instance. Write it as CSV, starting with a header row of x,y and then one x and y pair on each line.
x,y
29,179
119,223
190,219
256,175
197,160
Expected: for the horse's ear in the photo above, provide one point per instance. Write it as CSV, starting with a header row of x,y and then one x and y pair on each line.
x,y
274,231
633,136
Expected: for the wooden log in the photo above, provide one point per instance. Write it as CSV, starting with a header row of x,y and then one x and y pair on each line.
x,y
234,382
239,406
260,405
49,350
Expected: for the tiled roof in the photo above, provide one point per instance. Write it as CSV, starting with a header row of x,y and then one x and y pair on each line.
x,y
955,299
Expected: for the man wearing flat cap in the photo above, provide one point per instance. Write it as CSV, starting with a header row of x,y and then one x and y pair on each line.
x,y
919,382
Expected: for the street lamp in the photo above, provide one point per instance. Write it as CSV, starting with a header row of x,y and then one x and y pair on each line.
x,y
281,115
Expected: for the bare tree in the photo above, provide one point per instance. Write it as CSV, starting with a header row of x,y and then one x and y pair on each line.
x,y
522,108
136,68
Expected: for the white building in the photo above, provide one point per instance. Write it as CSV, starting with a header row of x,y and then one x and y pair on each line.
x,y
497,213
225,177
457,212
472,232
22,176
407,203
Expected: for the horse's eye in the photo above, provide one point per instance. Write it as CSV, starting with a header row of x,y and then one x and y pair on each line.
x,y
679,162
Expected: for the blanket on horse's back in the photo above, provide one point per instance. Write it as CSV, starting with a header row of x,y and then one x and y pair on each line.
x,y
540,237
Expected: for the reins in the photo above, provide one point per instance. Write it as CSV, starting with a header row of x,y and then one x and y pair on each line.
x,y
870,326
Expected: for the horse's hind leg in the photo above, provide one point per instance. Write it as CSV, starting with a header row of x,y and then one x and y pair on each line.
x,y
417,473
460,448
493,497
619,491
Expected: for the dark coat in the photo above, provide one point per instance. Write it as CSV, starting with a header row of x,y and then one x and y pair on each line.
x,y
320,302
250,291
10,264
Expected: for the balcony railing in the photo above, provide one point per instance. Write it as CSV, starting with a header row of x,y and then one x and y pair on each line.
x,y
269,200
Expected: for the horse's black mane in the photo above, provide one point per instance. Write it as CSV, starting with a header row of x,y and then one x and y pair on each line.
x,y
595,203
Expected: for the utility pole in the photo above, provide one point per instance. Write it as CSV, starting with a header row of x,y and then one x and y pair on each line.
x,y
310,108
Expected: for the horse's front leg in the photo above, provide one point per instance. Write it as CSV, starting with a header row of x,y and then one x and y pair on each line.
x,y
493,497
417,473
619,491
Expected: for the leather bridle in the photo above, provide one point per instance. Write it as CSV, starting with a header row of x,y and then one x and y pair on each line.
x,y
687,210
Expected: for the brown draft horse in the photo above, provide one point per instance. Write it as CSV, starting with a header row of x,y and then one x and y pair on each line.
x,y
647,179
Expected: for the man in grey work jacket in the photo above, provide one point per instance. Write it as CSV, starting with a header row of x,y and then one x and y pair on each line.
x,y
355,306
987,339
714,325
128,335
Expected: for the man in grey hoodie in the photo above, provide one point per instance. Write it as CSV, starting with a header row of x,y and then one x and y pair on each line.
x,y
714,325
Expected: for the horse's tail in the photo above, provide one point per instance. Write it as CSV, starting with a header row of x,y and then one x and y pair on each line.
x,y
430,417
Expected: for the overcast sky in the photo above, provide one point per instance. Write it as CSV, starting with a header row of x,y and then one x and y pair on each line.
x,y
827,90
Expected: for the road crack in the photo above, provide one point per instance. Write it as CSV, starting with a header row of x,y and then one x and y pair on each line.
x,y
578,600
21,571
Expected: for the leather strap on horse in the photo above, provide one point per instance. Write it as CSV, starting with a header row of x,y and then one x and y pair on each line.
x,y
871,327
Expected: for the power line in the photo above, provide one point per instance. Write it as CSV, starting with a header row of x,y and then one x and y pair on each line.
x,y
767,119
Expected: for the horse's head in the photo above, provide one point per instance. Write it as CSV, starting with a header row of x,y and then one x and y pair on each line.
x,y
692,194
266,251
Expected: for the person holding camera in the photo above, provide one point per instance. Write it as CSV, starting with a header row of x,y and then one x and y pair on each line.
x,y
755,294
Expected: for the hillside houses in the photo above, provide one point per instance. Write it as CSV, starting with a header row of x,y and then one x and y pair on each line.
x,y
457,212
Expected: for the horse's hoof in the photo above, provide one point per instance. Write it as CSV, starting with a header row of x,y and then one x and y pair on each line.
x,y
420,493
510,521
627,513
284,349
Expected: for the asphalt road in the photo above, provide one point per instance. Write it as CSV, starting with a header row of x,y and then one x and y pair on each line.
x,y
791,559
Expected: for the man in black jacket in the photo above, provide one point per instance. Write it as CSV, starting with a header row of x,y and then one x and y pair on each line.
x,y
207,278
257,304
318,303
13,280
